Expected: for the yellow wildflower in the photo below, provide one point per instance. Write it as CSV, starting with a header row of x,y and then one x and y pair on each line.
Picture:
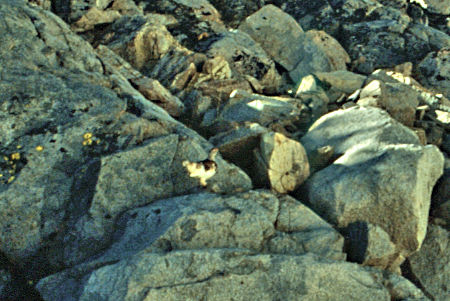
x,y
15,156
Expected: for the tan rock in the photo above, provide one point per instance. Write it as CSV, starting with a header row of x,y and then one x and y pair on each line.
x,y
95,16
336,54
284,162
157,93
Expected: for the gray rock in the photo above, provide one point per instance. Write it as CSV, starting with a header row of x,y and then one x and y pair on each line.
x,y
310,14
134,178
395,3
127,7
441,199
398,99
60,120
194,19
247,107
176,69
95,196
43,32
379,36
320,158
45,4
359,121
275,36
436,38
285,41
256,220
234,11
271,159
375,44
154,91
73,10
225,274
237,145
336,55
246,57
342,80
368,162
300,230
434,6
431,264
151,89
434,71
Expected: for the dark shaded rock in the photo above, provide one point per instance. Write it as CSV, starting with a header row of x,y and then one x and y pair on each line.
x,y
441,199
140,41
247,58
398,99
235,11
431,264
194,19
370,245
237,145
434,71
310,14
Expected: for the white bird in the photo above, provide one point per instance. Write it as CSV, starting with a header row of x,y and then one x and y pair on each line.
x,y
203,170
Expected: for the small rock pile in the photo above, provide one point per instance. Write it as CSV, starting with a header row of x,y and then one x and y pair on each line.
x,y
224,150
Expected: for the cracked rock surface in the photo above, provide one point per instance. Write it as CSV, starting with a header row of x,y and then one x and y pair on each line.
x,y
332,124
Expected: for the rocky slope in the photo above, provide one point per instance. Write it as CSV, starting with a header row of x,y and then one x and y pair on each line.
x,y
224,150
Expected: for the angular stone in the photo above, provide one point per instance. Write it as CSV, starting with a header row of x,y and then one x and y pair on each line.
x,y
282,162
343,129
249,107
399,100
140,43
127,7
434,71
95,16
342,80
274,30
255,220
434,6
370,245
157,93
237,145
373,156
336,54
304,232
247,58
431,264
224,274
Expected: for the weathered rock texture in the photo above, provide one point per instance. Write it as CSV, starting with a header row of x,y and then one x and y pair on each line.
x,y
226,275
328,122
379,167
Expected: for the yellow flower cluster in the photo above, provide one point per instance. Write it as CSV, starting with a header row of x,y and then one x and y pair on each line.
x,y
11,161
88,139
